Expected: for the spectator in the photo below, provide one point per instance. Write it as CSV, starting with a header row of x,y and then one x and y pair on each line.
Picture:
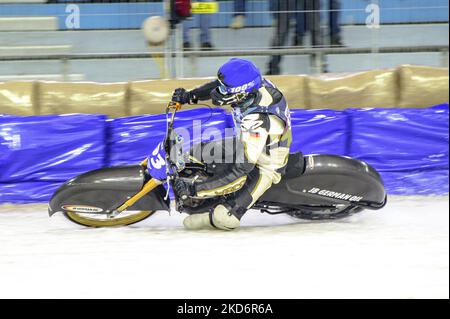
x,y
284,11
334,24
205,32
239,15
313,21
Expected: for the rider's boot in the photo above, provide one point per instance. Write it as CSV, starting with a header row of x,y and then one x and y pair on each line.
x,y
221,218
198,221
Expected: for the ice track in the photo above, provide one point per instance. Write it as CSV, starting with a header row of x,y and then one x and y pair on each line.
x,y
401,251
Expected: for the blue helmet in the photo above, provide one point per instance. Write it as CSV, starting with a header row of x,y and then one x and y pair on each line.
x,y
239,76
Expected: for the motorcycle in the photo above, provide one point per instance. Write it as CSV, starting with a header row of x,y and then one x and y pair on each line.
x,y
314,187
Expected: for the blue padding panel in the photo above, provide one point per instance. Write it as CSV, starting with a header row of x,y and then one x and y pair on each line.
x,y
319,131
27,192
418,182
401,139
133,138
409,147
50,148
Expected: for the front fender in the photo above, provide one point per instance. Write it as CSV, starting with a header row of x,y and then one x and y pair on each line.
x,y
103,190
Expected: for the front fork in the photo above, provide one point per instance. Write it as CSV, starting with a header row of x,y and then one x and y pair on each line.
x,y
147,188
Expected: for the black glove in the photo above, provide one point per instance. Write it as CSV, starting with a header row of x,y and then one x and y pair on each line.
x,y
182,96
184,189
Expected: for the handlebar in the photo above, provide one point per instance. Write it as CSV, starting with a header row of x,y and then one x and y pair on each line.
x,y
174,105
168,143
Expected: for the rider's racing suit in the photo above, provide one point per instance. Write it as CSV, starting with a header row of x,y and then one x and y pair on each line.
x,y
264,138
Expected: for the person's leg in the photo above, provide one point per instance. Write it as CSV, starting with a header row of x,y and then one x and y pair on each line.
x,y
280,35
239,7
227,215
334,21
300,22
314,22
205,30
186,25
239,16
271,163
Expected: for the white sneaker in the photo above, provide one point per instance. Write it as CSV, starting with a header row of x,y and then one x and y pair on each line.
x,y
237,22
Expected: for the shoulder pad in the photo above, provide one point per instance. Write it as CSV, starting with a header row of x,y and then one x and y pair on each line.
x,y
275,93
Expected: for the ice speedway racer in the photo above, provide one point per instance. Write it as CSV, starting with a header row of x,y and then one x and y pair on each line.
x,y
315,187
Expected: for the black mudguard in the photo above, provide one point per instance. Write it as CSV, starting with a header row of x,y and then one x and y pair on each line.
x,y
329,180
103,190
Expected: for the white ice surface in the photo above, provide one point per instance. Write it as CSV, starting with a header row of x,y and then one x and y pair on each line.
x,y
401,251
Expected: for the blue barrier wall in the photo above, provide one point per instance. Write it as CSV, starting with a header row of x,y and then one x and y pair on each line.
x,y
50,148
409,147
131,15
319,131
37,153
144,132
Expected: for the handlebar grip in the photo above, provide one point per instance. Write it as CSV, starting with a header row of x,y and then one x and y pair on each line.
x,y
176,105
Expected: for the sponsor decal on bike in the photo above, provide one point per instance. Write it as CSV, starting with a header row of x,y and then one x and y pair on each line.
x,y
82,209
157,161
337,195
156,165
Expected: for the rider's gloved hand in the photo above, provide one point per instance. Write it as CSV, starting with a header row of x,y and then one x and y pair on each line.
x,y
184,189
182,96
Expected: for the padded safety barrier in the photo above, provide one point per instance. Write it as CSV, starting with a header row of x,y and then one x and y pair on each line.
x,y
27,192
319,131
50,148
417,182
401,139
63,98
132,139
377,88
421,85
409,147
151,97
18,98
406,86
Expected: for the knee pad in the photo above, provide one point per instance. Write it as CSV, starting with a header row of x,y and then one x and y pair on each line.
x,y
222,218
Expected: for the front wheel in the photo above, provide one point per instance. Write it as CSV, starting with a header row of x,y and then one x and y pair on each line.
x,y
338,213
96,220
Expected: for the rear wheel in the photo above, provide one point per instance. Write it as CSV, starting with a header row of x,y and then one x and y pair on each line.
x,y
100,220
329,214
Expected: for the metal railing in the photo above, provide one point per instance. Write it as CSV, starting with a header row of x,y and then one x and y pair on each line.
x,y
317,56
255,39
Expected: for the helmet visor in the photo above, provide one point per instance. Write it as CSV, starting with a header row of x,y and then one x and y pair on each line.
x,y
223,89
